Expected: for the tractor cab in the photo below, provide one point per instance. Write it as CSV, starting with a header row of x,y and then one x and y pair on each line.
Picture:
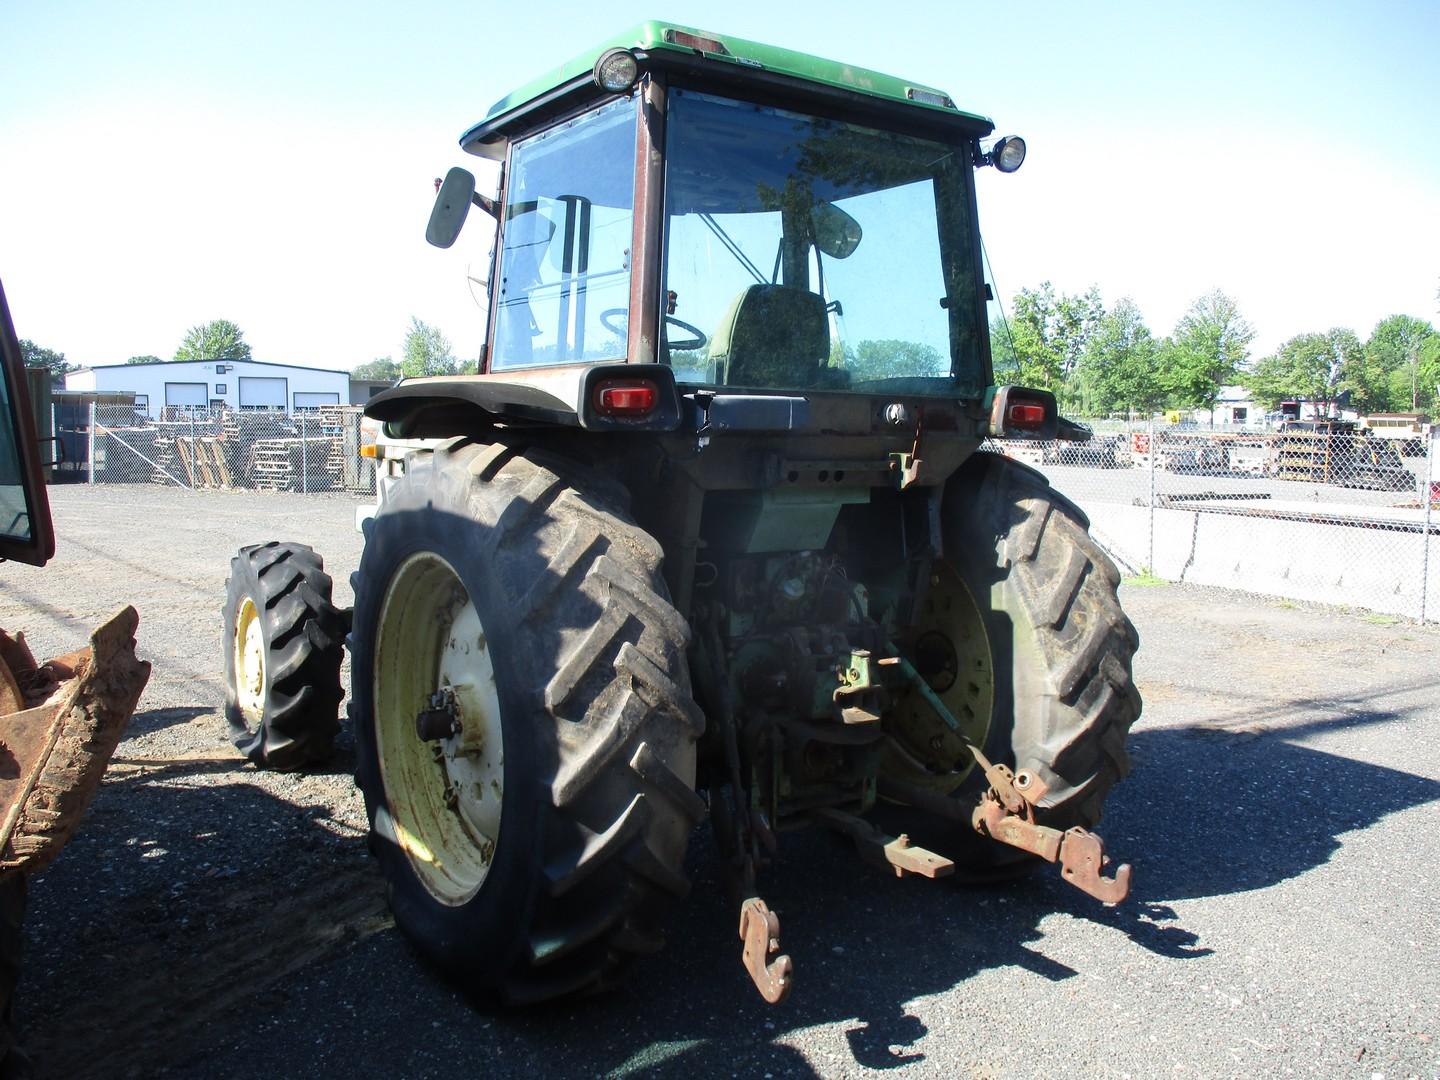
x,y
26,534
746,217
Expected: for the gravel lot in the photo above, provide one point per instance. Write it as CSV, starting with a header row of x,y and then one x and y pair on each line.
x,y
1284,819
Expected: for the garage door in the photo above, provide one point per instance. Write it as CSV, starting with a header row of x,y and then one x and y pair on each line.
x,y
258,393
305,399
192,394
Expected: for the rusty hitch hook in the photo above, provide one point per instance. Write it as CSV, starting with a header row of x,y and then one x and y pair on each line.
x,y
760,931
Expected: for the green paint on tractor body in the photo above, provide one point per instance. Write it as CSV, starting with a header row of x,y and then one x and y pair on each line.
x,y
654,37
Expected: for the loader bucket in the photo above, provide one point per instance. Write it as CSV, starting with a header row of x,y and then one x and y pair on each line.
x,y
60,722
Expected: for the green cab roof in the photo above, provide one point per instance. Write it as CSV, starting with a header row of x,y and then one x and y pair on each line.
x,y
656,36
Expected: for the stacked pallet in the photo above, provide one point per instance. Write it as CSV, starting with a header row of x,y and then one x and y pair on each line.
x,y
204,462
293,464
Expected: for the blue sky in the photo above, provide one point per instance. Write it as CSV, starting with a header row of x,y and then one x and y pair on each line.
x,y
167,163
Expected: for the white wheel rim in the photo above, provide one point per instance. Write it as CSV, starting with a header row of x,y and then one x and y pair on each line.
x,y
249,662
444,796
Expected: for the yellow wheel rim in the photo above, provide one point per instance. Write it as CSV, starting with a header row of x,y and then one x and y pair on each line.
x,y
951,649
445,795
249,648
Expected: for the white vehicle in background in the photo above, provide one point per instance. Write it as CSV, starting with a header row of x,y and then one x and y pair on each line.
x,y
1411,430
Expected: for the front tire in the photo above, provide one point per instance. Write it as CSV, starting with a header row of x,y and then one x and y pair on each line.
x,y
541,869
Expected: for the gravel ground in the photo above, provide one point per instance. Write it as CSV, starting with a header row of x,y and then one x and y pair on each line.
x,y
1284,819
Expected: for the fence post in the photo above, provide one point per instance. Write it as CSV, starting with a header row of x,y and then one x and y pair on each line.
x,y
1150,569
90,457
1427,493
304,461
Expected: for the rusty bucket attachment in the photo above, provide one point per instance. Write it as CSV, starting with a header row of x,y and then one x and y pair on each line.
x,y
60,722
760,931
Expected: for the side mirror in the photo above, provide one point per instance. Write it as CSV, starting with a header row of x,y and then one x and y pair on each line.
x,y
837,234
452,203
26,533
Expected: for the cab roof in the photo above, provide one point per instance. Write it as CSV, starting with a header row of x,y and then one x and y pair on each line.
x,y
665,41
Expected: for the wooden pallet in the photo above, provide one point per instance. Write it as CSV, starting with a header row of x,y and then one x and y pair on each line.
x,y
203,461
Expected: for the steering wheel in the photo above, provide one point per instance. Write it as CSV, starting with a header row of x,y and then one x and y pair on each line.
x,y
617,321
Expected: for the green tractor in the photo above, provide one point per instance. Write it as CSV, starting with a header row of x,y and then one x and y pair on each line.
x,y
713,534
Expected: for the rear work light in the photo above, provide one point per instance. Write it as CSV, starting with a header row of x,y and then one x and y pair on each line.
x,y
625,397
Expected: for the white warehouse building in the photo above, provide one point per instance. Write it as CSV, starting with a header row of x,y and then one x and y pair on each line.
x,y
216,384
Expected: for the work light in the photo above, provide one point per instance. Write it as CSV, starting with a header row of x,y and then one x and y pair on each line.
x,y
616,70
1008,154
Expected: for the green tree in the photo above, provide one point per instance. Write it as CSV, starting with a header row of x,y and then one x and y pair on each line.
x,y
1271,381
1310,366
218,339
1122,363
1428,377
427,352
381,368
1389,379
39,356
1208,350
888,358
146,359
1002,352
1050,332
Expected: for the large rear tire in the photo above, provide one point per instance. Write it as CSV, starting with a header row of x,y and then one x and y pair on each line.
x,y
283,645
1039,648
512,590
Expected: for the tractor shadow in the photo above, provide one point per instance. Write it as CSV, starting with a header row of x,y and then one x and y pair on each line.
x,y
1209,811
207,893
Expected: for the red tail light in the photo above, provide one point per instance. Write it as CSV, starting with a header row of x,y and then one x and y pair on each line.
x,y
1026,416
625,397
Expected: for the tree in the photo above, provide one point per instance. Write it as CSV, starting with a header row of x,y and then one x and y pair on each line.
x,y
382,368
1310,366
1270,381
1049,334
147,359
1428,378
1002,352
218,339
1389,379
427,352
1209,348
39,356
1122,363
888,358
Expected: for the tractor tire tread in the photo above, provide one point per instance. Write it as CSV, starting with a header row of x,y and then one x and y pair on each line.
x,y
303,633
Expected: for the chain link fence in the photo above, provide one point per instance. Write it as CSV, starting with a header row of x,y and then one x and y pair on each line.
x,y
1314,511
309,451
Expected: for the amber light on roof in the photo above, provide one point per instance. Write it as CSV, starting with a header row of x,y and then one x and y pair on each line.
x,y
694,41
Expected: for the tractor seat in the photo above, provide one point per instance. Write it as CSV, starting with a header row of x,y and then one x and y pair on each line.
x,y
773,336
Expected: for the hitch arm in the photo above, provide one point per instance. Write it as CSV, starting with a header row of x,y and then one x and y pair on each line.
x,y
1007,812
1080,853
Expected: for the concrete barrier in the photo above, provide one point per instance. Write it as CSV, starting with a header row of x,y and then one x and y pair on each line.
x,y
1295,559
